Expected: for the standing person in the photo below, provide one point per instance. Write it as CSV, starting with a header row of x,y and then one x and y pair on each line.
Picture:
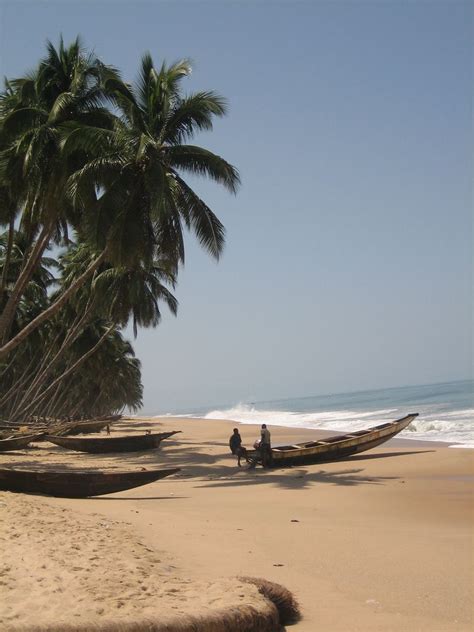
x,y
265,446
236,447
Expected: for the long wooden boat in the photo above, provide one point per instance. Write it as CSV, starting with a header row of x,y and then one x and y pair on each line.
x,y
336,447
132,443
93,425
78,427
18,442
8,425
67,484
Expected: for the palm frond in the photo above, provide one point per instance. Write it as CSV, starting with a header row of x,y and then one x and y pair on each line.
x,y
191,114
202,162
209,231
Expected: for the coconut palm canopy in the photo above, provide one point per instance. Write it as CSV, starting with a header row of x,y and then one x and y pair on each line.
x,y
96,168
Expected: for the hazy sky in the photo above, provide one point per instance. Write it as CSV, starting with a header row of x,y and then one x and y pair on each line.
x,y
349,256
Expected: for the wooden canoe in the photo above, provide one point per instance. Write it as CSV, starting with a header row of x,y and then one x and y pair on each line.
x,y
67,484
61,428
336,447
132,443
18,442
79,427
8,425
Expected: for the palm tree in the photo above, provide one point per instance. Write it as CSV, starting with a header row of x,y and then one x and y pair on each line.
x,y
110,376
64,89
146,155
114,294
130,194
16,374
10,199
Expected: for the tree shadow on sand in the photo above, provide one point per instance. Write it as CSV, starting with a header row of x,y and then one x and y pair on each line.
x,y
198,463
299,479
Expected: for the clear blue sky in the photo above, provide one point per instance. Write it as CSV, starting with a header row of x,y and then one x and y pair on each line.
x,y
349,256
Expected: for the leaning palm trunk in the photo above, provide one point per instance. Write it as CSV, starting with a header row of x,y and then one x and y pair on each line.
x,y
53,309
57,401
6,265
33,374
20,388
8,313
8,367
59,379
45,369
19,383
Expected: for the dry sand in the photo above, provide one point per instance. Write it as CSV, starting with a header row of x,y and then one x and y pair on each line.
x,y
382,541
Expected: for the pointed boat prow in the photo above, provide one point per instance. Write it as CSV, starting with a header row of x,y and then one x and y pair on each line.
x,y
336,447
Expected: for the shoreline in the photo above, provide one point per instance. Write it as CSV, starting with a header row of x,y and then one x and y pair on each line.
x,y
397,441
322,432
379,542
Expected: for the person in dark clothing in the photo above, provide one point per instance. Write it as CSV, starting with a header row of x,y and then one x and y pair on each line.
x,y
236,447
265,446
235,441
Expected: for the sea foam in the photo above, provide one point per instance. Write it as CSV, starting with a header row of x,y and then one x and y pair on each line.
x,y
453,427
446,411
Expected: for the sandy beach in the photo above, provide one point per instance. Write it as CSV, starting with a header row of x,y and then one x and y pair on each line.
x,y
382,541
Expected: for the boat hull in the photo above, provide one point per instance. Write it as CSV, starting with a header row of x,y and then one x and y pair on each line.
x,y
101,445
336,447
76,484
17,443
85,427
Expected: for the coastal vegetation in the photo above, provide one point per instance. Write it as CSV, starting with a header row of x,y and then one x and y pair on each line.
x,y
94,202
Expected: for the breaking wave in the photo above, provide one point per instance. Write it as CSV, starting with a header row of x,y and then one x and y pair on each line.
x,y
454,427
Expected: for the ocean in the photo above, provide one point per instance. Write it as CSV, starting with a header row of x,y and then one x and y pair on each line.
x,y
446,411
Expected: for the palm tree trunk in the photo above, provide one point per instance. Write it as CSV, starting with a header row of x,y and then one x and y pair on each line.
x,y
57,395
53,309
6,265
8,314
19,383
44,371
42,364
58,399
78,362
8,366
28,374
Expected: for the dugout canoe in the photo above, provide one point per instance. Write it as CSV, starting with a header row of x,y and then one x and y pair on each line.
x,y
8,425
131,443
67,484
93,425
19,442
80,427
336,447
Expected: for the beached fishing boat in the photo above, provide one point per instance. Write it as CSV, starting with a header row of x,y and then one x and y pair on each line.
x,y
79,427
62,428
67,484
336,447
7,425
131,443
18,442
91,425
